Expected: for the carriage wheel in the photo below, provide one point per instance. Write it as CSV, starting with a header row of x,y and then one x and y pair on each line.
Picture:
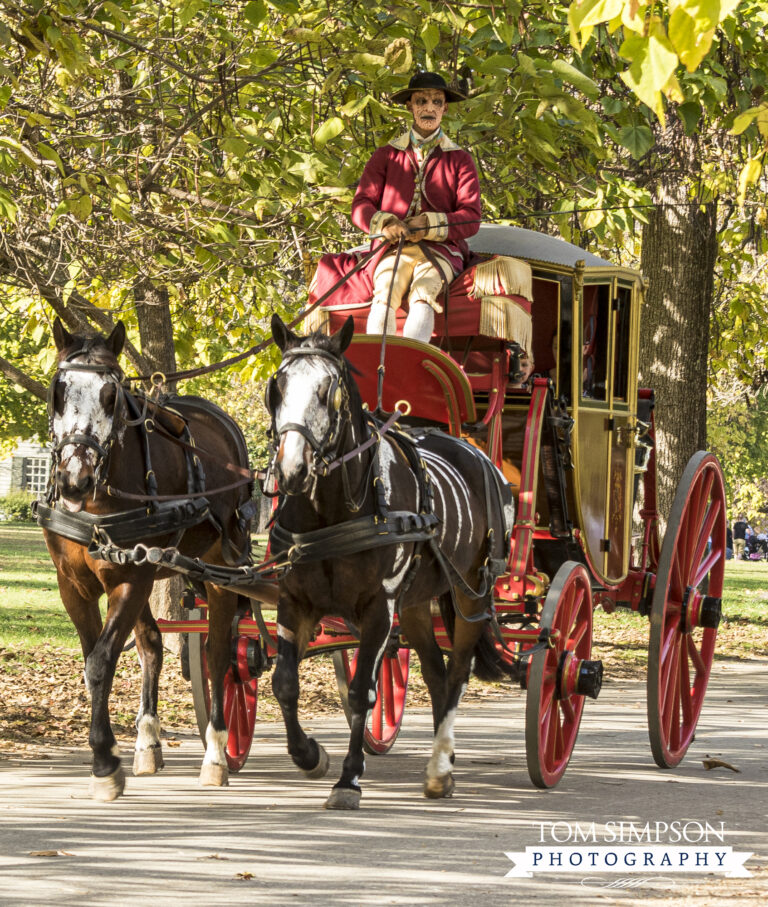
x,y
240,699
560,676
386,716
686,609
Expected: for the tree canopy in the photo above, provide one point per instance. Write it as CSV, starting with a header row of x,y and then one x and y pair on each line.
x,y
211,149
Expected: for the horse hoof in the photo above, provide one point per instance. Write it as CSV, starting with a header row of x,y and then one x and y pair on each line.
x,y
213,775
148,762
108,787
438,788
343,798
321,769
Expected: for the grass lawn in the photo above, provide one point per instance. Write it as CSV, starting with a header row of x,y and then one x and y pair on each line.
x,y
32,614
31,611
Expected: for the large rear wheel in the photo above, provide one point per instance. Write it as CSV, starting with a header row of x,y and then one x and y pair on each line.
x,y
560,675
386,716
686,609
240,697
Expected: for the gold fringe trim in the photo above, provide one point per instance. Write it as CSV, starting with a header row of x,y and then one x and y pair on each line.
x,y
319,320
506,319
503,276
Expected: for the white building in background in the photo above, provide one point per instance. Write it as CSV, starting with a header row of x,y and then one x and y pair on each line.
x,y
26,469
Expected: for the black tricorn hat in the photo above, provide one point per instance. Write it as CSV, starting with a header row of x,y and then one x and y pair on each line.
x,y
422,81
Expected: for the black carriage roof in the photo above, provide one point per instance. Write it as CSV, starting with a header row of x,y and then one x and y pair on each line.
x,y
499,239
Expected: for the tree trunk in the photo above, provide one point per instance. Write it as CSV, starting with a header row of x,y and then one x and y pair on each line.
x,y
156,333
155,328
165,603
679,250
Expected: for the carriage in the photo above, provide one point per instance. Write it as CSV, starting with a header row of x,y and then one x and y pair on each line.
x,y
575,441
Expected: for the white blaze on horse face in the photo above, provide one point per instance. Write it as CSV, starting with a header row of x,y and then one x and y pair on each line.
x,y
300,404
83,414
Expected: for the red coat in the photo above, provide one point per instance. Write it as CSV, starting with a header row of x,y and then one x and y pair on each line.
x,y
450,187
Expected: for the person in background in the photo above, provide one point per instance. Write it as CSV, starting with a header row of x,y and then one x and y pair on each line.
x,y
740,527
728,543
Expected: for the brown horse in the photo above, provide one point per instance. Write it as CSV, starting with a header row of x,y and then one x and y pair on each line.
x,y
109,445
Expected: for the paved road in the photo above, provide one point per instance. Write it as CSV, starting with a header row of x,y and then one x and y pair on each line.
x,y
169,842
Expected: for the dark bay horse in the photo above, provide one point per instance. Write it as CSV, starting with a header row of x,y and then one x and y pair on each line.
x,y
384,529
109,442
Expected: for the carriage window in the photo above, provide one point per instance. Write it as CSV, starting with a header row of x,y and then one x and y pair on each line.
x,y
594,350
621,349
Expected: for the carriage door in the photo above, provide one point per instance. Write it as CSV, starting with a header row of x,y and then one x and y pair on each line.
x,y
604,459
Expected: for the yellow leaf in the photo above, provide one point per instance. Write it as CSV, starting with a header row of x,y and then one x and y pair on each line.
x,y
591,219
673,91
750,173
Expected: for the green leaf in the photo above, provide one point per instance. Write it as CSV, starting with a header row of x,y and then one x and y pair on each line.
x,y
690,113
638,140
576,78
367,61
328,131
255,12
743,121
583,15
691,42
50,155
430,35
188,11
653,63
81,207
22,153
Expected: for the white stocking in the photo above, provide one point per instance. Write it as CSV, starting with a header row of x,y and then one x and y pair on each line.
x,y
376,316
420,322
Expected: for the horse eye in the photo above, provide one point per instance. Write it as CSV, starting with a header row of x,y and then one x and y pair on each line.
x,y
107,397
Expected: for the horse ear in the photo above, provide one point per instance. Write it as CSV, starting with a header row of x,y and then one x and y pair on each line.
x,y
283,335
343,337
61,336
116,339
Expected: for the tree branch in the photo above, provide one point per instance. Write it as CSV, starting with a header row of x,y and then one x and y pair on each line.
x,y
16,376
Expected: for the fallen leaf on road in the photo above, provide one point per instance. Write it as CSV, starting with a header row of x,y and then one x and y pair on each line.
x,y
244,876
173,742
213,856
719,763
49,853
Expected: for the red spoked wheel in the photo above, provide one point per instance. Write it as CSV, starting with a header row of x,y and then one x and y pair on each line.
x,y
558,677
386,716
686,609
240,697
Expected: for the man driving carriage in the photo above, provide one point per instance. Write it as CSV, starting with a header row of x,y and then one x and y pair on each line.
x,y
423,188
420,187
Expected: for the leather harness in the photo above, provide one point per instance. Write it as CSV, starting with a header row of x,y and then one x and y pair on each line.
x,y
162,514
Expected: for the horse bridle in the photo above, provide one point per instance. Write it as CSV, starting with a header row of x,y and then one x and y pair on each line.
x,y
326,448
115,375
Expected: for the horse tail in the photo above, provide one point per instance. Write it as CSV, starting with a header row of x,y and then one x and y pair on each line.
x,y
489,662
